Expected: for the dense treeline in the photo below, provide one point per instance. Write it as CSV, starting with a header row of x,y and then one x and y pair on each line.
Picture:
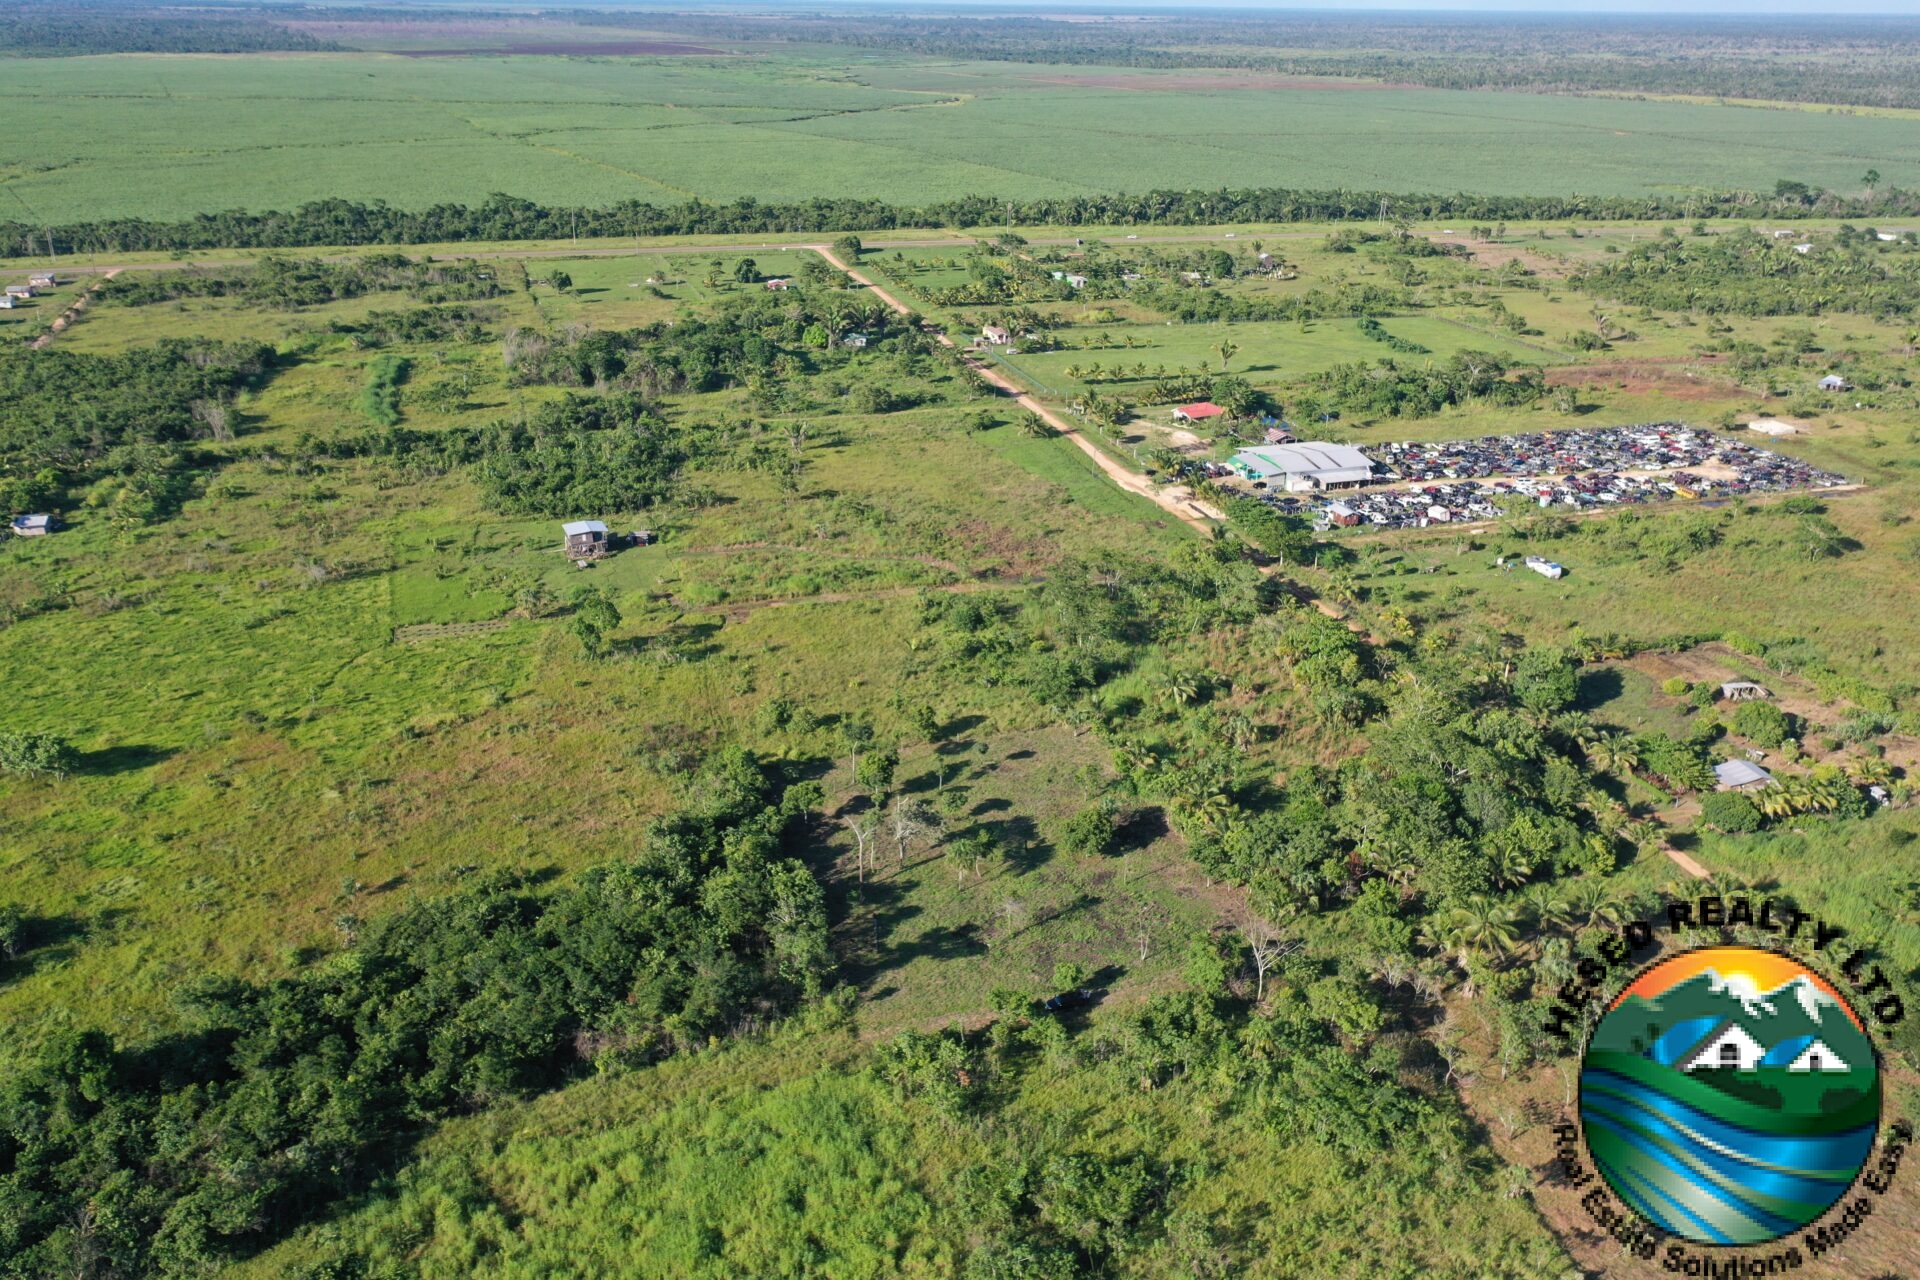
x,y
277,1099
506,218
66,31
1854,60
73,419
1753,275
1395,389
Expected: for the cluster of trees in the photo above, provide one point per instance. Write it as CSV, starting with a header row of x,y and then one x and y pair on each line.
x,y
308,282
279,1098
1746,273
456,323
581,453
1372,328
1390,389
1206,306
504,217
128,419
747,339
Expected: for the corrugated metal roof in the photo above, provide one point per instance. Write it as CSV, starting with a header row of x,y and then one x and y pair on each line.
x,y
1310,457
583,526
1740,773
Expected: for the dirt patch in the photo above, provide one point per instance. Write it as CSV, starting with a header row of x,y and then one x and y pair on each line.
x,y
1693,380
422,632
575,49
1017,557
1498,256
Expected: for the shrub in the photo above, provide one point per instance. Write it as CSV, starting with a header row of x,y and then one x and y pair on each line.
x,y
1089,831
1729,811
1762,723
1676,686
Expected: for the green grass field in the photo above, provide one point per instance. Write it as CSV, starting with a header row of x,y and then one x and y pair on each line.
x,y
170,136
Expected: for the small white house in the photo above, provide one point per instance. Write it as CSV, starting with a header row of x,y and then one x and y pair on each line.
x,y
33,526
854,340
1818,1057
1077,282
1743,691
1544,567
996,336
19,291
8,302
43,280
1803,248
1834,382
1731,1046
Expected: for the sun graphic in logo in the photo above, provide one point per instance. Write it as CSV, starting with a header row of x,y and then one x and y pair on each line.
x,y
1730,1094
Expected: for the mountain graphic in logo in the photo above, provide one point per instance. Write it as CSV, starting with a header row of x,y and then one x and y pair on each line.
x,y
1730,1095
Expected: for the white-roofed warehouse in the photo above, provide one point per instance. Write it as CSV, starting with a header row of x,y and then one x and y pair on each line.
x,y
1306,467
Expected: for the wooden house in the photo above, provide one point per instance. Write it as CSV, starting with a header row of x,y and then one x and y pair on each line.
x,y
586,539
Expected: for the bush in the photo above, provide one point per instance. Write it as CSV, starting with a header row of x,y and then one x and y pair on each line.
x,y
1676,686
1089,831
1764,724
1729,811
35,754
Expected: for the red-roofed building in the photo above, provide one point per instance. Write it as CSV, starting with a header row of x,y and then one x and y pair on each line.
x,y
1197,412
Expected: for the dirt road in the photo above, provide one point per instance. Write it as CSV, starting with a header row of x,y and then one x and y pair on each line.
x,y
1176,500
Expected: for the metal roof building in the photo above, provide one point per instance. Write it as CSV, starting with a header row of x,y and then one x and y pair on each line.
x,y
1738,775
1305,467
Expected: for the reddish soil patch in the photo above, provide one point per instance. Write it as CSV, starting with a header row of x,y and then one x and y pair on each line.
x,y
578,49
1018,557
1692,380
1497,256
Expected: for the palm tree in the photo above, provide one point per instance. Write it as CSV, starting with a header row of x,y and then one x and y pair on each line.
x,y
1613,753
1643,833
1511,865
1576,727
1868,771
1774,802
1479,928
1593,903
1549,907
1227,350
1035,425
1180,688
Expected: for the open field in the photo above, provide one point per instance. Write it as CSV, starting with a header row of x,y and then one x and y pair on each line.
x,y
861,536
171,136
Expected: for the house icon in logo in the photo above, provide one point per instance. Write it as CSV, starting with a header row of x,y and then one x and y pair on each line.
x,y
1730,1046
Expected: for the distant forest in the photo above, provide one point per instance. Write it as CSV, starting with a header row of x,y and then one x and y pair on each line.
x,y
1844,60
1856,61
508,218
38,30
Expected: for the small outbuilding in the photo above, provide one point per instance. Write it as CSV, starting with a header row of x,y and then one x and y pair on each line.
x,y
1741,775
8,302
1198,412
19,291
779,284
43,280
1743,691
1834,382
857,341
996,336
1343,515
34,526
586,539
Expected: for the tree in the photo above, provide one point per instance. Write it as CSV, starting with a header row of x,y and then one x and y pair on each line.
x,y
1613,753
594,614
1544,681
876,769
910,822
1227,349
37,754
1762,723
13,930
864,827
746,271
1729,811
1870,179
1035,425
848,248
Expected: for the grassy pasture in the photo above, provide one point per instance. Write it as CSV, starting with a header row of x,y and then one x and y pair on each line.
x,y
170,136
